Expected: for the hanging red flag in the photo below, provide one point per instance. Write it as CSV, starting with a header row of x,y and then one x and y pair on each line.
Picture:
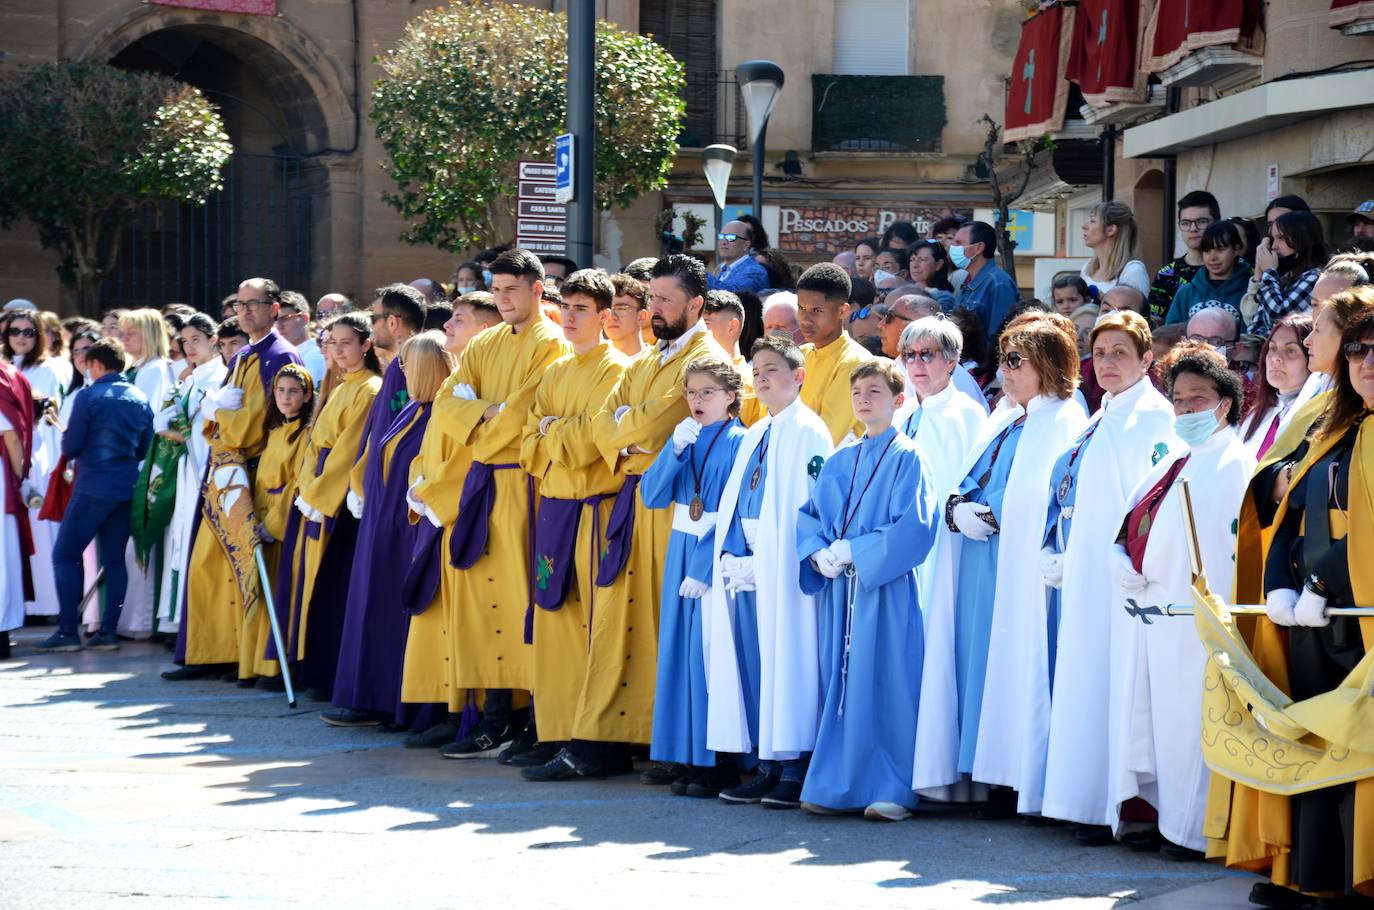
x,y
1105,53
1348,12
1039,93
1179,27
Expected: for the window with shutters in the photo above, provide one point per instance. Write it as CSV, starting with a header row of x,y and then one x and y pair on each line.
x,y
687,29
872,38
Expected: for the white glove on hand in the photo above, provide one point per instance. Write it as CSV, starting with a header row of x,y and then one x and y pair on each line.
x,y
738,572
620,412
416,504
430,516
1311,610
229,398
355,504
691,589
1279,606
967,520
843,553
684,434
465,392
309,511
826,563
1124,573
1052,568
28,492
162,420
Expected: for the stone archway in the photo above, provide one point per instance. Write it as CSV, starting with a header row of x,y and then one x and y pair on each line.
x,y
1147,200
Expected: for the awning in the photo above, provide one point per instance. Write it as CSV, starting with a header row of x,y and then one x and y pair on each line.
x,y
1178,28
1105,54
1039,93
1352,17
1260,109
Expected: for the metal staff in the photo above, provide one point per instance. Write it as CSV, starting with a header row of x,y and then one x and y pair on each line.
x,y
276,627
90,592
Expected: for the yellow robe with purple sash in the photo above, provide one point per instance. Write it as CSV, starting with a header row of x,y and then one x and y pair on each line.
x,y
622,668
567,465
502,367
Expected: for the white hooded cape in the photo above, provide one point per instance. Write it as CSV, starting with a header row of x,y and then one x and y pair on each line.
x,y
789,660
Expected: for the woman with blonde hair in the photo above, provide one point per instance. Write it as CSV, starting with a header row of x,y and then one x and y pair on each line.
x,y
1110,232
372,648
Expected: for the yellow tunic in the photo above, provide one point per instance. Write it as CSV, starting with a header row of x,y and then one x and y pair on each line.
x,y
751,410
213,607
335,436
826,387
274,488
502,367
567,465
618,697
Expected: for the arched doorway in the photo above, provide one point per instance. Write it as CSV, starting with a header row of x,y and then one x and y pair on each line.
x,y
1148,203
275,190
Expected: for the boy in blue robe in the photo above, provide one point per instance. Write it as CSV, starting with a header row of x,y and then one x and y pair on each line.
x,y
870,522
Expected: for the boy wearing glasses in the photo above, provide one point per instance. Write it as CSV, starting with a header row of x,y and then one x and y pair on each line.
x,y
831,355
1197,211
738,271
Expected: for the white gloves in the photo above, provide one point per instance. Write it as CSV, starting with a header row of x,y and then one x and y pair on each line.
x,y
309,511
843,553
162,420
355,504
738,572
431,517
416,504
1052,568
684,434
28,492
545,423
691,589
826,563
228,398
1279,606
620,412
1311,610
1123,571
465,392
967,519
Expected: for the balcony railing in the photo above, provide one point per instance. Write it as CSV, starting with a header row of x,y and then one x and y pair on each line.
x,y
715,111
877,113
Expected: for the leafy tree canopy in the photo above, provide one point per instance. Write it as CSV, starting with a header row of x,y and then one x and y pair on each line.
x,y
473,88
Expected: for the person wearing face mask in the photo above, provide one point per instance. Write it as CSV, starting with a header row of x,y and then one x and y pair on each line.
x,y
1158,755
1288,264
988,290
467,278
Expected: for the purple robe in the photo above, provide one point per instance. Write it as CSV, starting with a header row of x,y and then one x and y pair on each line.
x,y
372,649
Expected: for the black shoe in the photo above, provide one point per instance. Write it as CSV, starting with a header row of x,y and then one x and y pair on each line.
x,y
754,791
541,754
58,643
103,641
1093,835
230,676
4,646
271,684
484,742
1268,894
679,786
1001,804
198,671
663,773
347,717
438,735
563,766
706,783
317,694
1143,841
786,795
247,682
1180,854
524,742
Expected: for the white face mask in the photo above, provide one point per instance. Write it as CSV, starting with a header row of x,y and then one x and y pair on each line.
x,y
880,276
1196,428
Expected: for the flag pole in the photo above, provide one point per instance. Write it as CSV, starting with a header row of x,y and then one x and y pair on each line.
x,y
282,654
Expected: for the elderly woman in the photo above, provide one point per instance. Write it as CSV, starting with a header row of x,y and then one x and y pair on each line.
x,y
998,513
1158,758
1130,434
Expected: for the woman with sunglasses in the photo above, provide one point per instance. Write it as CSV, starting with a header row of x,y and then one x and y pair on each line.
x,y
997,513
1131,433
23,345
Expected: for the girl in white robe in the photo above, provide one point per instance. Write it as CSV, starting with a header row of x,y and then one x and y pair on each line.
x,y
1159,718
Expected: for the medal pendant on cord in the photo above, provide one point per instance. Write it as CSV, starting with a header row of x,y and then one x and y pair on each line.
x,y
696,508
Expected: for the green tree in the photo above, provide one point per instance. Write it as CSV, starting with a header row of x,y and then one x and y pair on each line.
x,y
473,88
85,146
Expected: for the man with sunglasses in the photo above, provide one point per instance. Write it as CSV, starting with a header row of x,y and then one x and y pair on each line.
x,y
738,271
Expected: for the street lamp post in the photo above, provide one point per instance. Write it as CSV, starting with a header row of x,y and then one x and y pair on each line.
x,y
717,162
759,82
582,124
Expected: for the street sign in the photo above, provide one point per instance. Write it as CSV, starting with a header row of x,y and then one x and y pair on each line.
x,y
541,222
564,162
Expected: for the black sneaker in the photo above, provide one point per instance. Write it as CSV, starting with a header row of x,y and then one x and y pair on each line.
x,y
663,773
484,742
198,671
754,791
524,742
563,766
541,754
706,783
786,795
1268,894
1093,835
247,682
58,643
103,641
347,717
438,735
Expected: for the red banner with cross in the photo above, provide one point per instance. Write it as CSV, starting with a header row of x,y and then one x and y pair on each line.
x,y
1039,93
1105,54
1178,28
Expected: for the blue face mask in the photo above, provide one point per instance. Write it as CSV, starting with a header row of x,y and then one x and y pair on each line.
x,y
958,257
486,277
1194,429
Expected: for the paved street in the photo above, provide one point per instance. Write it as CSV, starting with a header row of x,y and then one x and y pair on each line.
x,y
119,789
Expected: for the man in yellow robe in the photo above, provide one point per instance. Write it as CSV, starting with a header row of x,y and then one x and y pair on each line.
x,y
830,353
209,639
617,699
577,489
490,544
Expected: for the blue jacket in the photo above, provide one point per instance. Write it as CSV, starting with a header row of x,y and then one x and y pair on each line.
x,y
107,436
991,294
1202,292
744,274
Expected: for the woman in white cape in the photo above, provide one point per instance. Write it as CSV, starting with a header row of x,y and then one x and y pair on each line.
x,y
145,341
1131,433
1157,754
999,511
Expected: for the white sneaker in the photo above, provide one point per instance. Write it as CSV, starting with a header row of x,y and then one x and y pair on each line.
x,y
886,812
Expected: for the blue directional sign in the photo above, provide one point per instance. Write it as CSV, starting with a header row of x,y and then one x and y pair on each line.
x,y
563,163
